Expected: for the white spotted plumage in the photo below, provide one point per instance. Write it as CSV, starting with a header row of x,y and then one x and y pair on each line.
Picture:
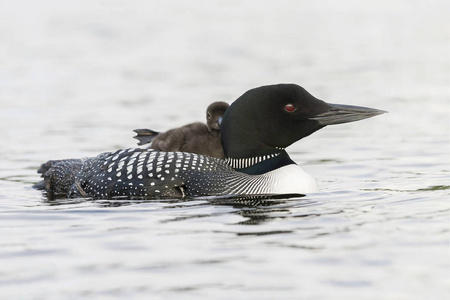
x,y
146,172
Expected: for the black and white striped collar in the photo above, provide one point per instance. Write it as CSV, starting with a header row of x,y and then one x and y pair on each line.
x,y
242,163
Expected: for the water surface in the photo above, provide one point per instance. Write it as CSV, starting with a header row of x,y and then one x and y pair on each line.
x,y
77,78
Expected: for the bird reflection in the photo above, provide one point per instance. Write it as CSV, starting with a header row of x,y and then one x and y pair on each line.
x,y
255,209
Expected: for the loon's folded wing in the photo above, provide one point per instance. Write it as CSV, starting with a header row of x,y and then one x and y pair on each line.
x,y
133,172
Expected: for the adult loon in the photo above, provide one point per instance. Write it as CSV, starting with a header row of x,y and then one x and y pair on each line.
x,y
255,131
196,137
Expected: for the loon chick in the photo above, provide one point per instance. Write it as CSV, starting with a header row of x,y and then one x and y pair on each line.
x,y
255,131
196,137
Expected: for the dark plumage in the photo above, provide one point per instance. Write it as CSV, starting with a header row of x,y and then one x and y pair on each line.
x,y
60,176
196,137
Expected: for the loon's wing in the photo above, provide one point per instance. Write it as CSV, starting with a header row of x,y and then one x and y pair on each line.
x,y
145,136
133,172
138,172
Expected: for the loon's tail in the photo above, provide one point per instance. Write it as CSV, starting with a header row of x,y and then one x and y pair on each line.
x,y
59,176
145,136
43,169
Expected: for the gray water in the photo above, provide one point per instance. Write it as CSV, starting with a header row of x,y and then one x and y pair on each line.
x,y
77,77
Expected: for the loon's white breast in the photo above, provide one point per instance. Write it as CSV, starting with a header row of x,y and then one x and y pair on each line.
x,y
291,179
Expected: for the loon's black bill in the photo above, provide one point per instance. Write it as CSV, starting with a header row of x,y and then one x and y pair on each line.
x,y
340,113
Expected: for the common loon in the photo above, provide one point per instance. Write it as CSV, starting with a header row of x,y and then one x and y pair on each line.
x,y
255,131
196,137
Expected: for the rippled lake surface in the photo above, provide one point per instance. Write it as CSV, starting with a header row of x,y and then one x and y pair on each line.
x,y
76,78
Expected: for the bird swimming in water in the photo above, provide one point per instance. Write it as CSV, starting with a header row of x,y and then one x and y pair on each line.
x,y
255,131
196,137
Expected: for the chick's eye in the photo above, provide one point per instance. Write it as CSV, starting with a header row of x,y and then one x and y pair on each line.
x,y
290,108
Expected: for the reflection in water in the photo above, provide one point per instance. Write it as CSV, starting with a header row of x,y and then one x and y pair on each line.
x,y
113,202
55,201
255,209
235,201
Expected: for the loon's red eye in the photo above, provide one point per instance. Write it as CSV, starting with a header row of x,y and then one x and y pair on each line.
x,y
290,108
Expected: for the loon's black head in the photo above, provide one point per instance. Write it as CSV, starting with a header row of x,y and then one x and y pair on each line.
x,y
269,118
